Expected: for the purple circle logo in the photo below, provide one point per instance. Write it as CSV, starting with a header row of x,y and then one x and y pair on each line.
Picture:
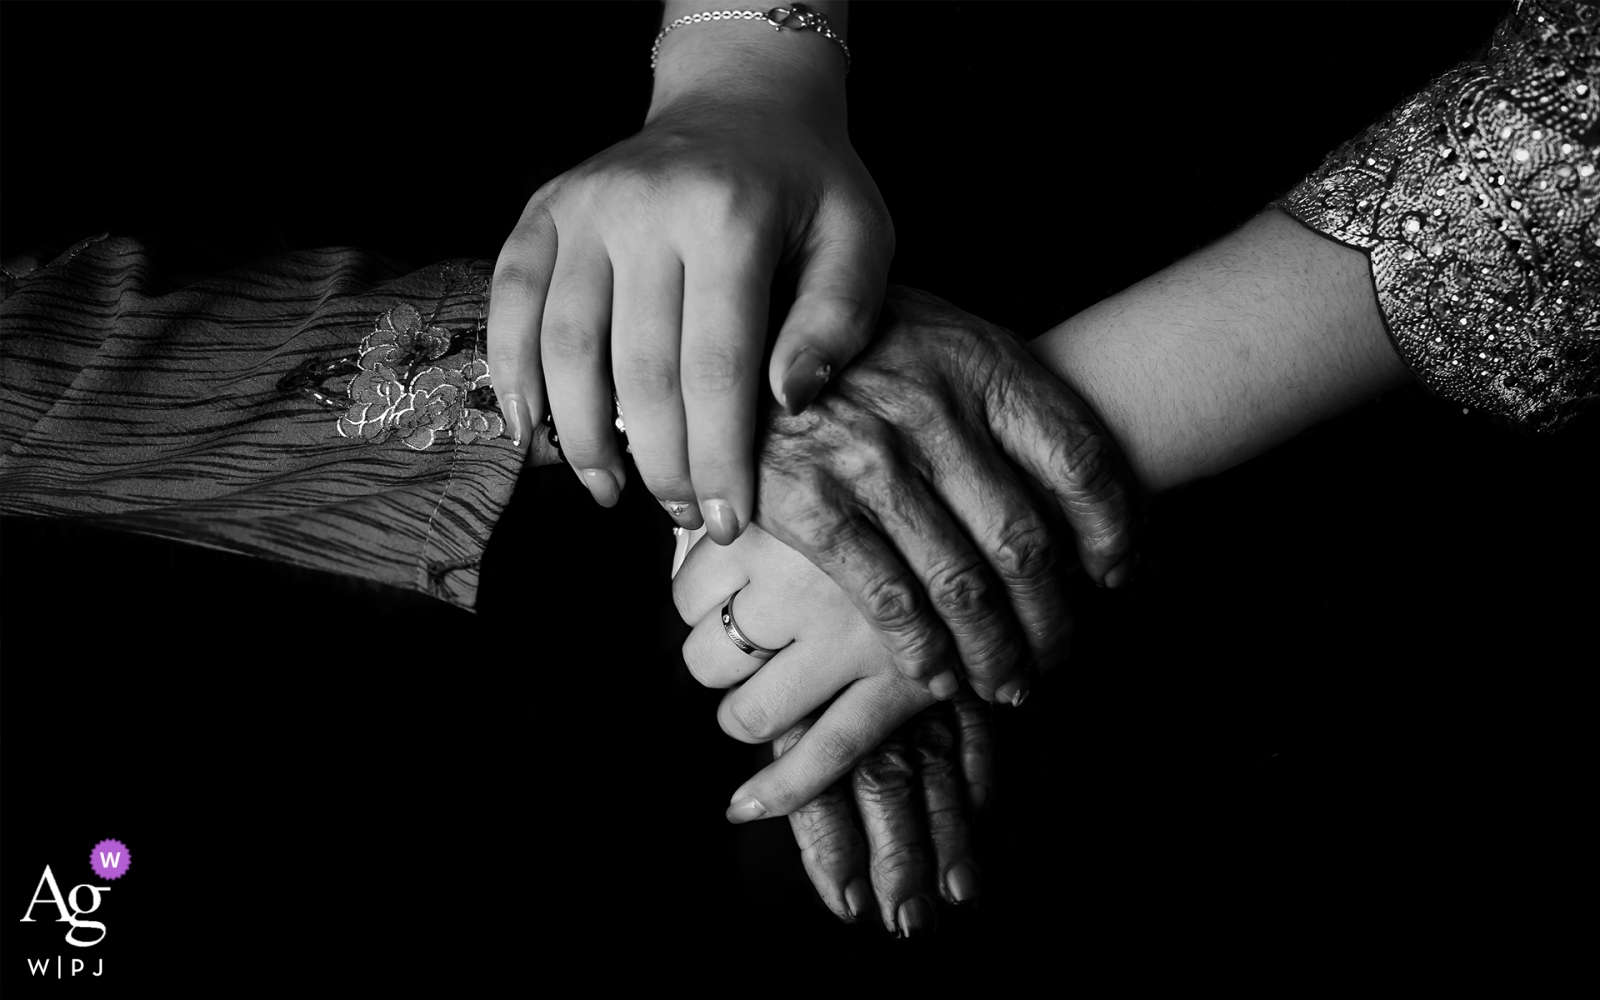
x,y
109,859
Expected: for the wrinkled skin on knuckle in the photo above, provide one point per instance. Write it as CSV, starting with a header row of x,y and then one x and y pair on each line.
x,y
988,639
1024,555
828,842
959,592
1088,459
901,864
884,775
892,603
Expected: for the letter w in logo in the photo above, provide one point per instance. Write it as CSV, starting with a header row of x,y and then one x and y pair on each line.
x,y
110,860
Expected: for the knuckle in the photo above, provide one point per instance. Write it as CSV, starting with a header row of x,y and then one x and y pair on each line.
x,y
884,772
834,843
718,199
713,373
700,667
753,718
924,402
875,444
1085,463
648,377
900,859
564,341
891,602
514,282
959,592
1023,551
828,842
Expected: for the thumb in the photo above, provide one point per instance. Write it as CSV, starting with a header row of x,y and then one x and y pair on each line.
x,y
837,299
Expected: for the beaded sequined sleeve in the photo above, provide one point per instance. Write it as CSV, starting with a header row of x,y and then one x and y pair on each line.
x,y
1475,202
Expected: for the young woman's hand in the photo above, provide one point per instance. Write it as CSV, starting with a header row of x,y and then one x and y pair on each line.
x,y
897,831
651,267
827,655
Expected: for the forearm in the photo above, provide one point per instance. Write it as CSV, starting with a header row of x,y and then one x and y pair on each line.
x,y
749,59
1228,352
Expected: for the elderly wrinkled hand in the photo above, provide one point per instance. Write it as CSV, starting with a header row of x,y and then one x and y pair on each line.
x,y
897,832
946,482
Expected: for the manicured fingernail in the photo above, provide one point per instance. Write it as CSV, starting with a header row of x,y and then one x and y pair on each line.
x,y
746,810
807,374
682,511
602,486
721,521
944,686
1121,573
1013,692
916,917
962,881
858,898
512,411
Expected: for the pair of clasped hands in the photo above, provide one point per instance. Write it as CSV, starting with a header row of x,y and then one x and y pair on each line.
x,y
895,506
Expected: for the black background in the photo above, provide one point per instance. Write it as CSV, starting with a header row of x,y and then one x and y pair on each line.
x,y
1335,717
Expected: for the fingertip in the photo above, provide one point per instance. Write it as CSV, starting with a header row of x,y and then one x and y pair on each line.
x,y
683,512
1013,692
1121,574
745,809
602,485
859,901
962,883
803,379
519,420
721,522
944,686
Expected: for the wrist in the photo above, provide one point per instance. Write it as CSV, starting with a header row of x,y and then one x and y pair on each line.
x,y
750,62
1229,352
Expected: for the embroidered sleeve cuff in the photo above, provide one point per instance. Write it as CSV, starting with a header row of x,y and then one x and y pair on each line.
x,y
1475,202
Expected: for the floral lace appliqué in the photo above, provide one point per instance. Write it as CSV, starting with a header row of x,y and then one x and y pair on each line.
x,y
409,382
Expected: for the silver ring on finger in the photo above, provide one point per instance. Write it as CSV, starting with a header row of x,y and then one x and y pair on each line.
x,y
738,638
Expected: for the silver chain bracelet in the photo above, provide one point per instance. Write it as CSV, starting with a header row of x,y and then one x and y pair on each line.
x,y
798,17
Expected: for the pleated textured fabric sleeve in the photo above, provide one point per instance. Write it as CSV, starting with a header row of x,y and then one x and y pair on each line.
x,y
318,408
1476,203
